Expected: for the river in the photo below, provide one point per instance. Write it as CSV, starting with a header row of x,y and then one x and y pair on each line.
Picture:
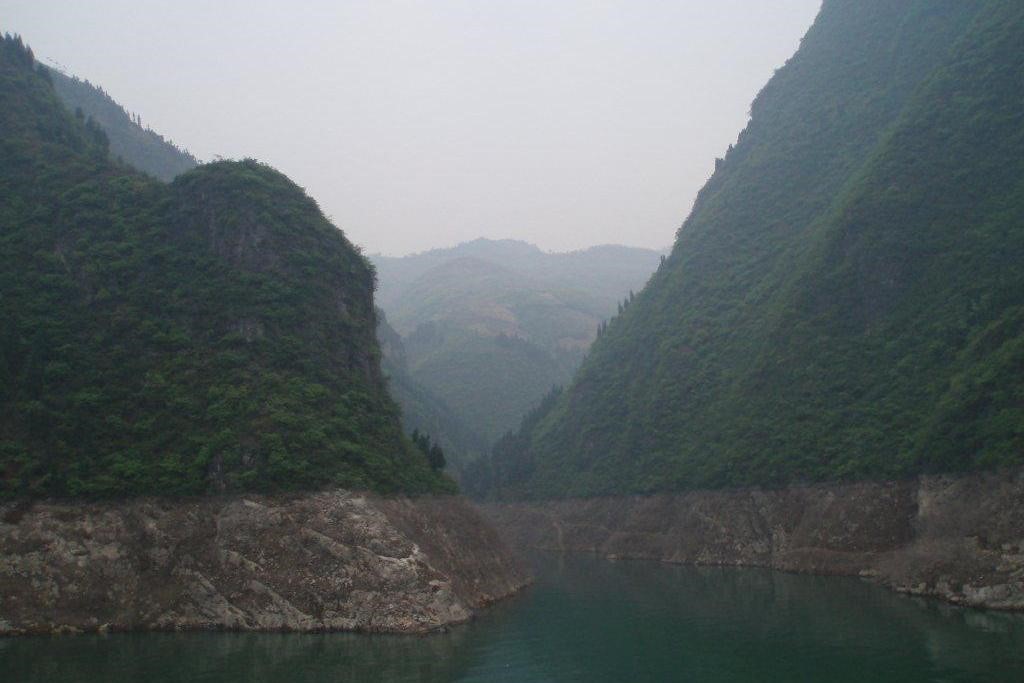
x,y
588,619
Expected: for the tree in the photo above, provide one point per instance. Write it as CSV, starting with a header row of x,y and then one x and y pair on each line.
x,y
436,457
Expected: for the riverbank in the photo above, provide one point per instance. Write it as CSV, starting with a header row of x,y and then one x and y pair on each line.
x,y
324,561
960,539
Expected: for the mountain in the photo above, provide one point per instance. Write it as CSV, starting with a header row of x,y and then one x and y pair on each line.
x,y
607,272
489,326
214,333
137,146
846,298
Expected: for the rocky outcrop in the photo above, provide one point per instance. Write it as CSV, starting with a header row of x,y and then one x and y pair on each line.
x,y
323,561
957,538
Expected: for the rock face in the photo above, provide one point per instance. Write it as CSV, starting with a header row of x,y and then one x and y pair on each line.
x,y
960,539
324,561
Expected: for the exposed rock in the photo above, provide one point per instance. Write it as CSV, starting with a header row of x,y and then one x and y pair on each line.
x,y
323,561
957,538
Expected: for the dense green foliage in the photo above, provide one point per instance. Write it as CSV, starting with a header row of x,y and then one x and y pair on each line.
x,y
434,452
491,325
212,334
846,299
140,147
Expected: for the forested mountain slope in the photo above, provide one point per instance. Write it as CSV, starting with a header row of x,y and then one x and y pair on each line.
x,y
422,410
140,147
489,326
214,333
148,151
846,299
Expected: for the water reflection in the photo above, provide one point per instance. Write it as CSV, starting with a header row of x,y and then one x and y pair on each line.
x,y
587,619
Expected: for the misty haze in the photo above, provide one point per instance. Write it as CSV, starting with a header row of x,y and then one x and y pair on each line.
x,y
588,341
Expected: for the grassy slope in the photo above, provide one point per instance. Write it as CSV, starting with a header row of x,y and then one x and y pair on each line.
x,y
845,299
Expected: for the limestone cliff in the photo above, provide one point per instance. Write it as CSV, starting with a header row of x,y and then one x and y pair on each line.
x,y
960,539
334,560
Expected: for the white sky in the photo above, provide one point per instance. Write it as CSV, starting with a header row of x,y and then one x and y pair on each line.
x,y
422,124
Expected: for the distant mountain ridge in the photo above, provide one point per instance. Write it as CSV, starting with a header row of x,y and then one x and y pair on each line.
x,y
489,326
606,271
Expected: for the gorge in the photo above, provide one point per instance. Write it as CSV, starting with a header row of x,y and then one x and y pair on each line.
x,y
218,414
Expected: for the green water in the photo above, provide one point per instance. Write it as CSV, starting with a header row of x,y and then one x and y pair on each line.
x,y
591,620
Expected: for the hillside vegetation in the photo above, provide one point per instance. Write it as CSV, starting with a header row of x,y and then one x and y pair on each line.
x,y
422,410
130,141
846,299
214,333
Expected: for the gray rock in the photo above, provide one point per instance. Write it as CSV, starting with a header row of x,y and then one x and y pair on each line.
x,y
956,538
320,561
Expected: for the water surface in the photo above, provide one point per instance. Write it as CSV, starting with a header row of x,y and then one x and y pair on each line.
x,y
588,619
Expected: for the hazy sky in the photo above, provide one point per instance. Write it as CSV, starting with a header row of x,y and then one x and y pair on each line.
x,y
422,124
